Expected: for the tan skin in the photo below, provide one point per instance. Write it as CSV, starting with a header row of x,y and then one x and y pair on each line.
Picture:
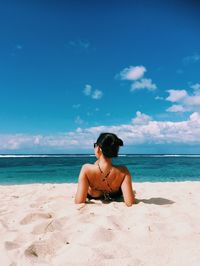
x,y
90,180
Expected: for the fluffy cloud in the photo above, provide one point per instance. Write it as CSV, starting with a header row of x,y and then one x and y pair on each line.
x,y
195,87
94,94
141,119
143,84
132,73
142,130
135,74
159,98
17,141
87,90
185,102
97,94
192,101
176,95
176,108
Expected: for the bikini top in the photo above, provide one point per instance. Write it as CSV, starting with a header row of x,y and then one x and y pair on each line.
x,y
104,179
107,195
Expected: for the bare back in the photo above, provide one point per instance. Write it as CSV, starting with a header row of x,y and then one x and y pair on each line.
x,y
104,182
96,183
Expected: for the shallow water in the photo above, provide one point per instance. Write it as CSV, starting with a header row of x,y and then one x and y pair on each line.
x,y
24,169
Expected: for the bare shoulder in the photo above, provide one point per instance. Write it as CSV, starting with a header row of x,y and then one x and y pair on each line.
x,y
87,167
123,169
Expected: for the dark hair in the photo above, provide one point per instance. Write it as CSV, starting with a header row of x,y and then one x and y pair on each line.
x,y
109,144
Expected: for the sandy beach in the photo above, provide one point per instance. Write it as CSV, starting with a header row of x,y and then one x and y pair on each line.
x,y
41,225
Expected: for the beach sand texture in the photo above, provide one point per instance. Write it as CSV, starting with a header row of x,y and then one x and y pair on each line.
x,y
41,225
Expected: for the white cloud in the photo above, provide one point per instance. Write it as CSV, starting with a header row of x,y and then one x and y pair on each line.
x,y
195,117
143,84
195,86
185,102
37,140
17,141
94,94
87,90
176,95
132,72
176,108
97,94
135,74
159,98
192,101
141,119
145,131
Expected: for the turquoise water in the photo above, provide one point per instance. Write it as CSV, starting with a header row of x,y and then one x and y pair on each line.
x,y
25,169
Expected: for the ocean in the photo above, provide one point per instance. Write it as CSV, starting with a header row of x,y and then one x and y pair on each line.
x,y
62,168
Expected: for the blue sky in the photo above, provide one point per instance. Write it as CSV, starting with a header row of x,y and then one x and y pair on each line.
x,y
72,69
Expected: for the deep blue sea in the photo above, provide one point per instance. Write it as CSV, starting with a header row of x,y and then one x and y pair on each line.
x,y
25,169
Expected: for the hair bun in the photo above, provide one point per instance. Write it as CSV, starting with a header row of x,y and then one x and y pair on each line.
x,y
109,144
119,142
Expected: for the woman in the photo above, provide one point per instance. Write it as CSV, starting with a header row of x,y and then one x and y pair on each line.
x,y
103,180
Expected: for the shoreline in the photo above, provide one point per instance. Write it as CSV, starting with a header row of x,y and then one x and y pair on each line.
x,y
76,183
41,225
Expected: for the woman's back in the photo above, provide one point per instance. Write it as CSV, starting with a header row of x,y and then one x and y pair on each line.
x,y
105,180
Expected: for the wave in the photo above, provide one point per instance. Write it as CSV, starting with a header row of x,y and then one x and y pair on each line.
x,y
162,155
20,156
176,155
41,155
92,155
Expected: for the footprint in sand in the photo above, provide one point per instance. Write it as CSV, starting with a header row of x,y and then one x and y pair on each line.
x,y
11,245
31,217
39,249
3,224
56,224
48,247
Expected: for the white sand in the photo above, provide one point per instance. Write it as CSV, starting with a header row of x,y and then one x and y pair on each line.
x,y
41,225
